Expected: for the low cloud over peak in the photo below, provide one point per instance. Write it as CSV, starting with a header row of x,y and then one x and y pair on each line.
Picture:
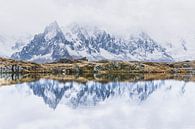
x,y
163,19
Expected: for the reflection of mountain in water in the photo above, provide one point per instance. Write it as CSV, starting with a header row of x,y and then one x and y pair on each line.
x,y
91,93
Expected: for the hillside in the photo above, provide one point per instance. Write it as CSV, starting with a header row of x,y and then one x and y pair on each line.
x,y
103,67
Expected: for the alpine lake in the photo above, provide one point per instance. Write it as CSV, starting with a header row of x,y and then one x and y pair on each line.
x,y
133,101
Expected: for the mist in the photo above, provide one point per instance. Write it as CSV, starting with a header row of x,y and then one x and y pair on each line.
x,y
164,20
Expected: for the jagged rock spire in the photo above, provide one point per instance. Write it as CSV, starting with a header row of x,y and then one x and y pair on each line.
x,y
51,30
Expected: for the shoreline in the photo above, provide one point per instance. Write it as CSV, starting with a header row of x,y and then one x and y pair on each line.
x,y
9,79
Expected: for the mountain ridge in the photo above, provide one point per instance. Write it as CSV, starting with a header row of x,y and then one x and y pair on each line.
x,y
54,44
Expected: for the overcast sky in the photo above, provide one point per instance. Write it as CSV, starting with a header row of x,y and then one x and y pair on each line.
x,y
159,17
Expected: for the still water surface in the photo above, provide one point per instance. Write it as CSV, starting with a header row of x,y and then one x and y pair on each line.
x,y
50,104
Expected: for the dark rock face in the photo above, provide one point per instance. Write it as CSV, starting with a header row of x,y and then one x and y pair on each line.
x,y
47,43
97,44
11,69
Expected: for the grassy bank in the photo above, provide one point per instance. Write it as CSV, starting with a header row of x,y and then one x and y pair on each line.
x,y
100,67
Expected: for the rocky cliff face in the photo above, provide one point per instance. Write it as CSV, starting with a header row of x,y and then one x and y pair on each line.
x,y
45,46
95,44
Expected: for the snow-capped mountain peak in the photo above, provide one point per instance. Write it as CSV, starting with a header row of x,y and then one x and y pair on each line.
x,y
51,30
96,44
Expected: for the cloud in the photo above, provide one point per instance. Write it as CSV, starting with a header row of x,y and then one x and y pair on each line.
x,y
163,19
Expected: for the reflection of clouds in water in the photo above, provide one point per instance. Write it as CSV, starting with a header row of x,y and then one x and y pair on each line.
x,y
164,108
